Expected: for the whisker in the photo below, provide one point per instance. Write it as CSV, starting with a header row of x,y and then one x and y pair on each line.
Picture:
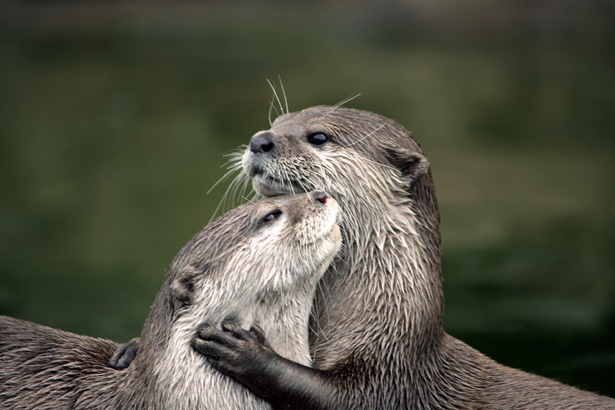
x,y
271,105
380,164
233,165
286,178
228,173
255,196
366,136
276,96
246,183
284,93
302,186
223,204
339,104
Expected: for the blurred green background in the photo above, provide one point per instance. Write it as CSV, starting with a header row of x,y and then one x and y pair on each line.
x,y
115,116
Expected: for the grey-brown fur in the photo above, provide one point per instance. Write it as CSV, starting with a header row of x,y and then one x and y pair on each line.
x,y
239,266
378,320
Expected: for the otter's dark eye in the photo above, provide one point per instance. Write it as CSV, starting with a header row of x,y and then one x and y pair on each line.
x,y
318,140
272,216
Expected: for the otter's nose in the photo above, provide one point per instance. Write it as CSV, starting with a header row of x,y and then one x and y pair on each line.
x,y
260,144
324,198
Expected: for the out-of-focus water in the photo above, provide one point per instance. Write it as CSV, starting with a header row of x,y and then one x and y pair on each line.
x,y
115,119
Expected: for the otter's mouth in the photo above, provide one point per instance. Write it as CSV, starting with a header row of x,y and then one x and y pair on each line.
x,y
266,177
268,185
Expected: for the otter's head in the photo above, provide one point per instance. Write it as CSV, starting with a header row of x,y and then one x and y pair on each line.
x,y
253,256
369,163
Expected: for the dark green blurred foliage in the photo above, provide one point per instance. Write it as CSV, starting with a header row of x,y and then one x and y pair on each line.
x,y
115,116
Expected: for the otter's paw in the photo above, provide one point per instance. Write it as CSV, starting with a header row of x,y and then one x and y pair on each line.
x,y
125,354
234,351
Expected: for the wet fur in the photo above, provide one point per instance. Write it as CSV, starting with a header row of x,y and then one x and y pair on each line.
x,y
378,334
234,268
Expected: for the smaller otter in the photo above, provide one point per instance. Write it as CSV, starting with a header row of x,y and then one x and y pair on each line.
x,y
257,265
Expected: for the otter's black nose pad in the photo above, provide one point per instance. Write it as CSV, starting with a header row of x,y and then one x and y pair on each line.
x,y
260,144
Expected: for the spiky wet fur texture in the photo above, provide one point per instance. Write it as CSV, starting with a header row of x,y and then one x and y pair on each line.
x,y
239,266
378,310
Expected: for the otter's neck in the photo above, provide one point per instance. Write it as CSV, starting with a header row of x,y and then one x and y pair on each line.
x,y
285,323
386,290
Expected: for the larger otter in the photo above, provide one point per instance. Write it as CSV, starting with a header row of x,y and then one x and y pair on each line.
x,y
378,341
258,265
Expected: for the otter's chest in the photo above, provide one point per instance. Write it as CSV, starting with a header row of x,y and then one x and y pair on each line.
x,y
185,381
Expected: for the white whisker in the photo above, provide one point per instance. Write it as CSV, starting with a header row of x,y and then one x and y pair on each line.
x,y
366,136
271,105
339,104
276,96
234,164
284,93
228,173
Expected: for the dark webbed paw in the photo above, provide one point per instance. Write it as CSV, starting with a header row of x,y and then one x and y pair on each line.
x,y
232,350
125,354
247,356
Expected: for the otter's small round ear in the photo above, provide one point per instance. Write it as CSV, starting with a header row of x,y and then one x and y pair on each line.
x,y
412,165
183,287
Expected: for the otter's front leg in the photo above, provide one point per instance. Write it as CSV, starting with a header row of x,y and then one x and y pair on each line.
x,y
125,354
247,357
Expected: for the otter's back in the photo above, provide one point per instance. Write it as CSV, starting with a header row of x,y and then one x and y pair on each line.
x,y
46,368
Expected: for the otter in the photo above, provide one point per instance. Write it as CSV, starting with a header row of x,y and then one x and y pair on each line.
x,y
377,340
257,265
